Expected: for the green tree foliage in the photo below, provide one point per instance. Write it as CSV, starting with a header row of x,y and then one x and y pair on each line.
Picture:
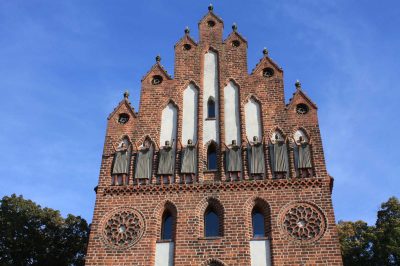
x,y
373,245
387,233
31,235
356,243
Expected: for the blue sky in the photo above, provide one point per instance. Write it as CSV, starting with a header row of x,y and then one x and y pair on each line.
x,y
65,64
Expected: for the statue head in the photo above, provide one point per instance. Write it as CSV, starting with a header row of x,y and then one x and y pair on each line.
x,y
167,143
234,142
190,142
301,139
146,143
255,139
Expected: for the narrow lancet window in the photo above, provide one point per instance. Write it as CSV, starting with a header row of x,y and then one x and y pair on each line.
x,y
258,222
166,229
212,157
211,223
211,108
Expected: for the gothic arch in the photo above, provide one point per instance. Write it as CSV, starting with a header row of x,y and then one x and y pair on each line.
x,y
213,262
303,131
264,207
146,137
217,206
161,208
274,130
256,103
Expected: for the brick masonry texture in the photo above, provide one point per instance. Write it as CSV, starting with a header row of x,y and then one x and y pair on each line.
x,y
234,199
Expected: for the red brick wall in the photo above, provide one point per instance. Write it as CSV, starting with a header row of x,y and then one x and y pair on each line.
x,y
236,198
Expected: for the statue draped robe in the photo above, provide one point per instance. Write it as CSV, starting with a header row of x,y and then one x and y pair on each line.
x,y
166,161
189,160
233,159
279,157
255,157
144,162
121,162
302,156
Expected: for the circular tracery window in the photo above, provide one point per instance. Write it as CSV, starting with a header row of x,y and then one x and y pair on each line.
x,y
123,118
302,221
210,23
187,47
123,228
156,80
302,109
268,72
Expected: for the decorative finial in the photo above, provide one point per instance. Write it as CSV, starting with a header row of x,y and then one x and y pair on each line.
x,y
187,30
298,85
210,7
265,51
158,58
126,94
234,27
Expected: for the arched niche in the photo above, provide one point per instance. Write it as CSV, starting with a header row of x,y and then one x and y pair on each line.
x,y
253,119
189,117
231,113
168,123
300,133
210,90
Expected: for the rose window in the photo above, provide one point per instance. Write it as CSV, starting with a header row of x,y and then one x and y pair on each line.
x,y
303,221
123,228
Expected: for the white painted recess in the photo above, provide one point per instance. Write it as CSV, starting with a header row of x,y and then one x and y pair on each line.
x,y
260,253
189,118
231,113
168,124
165,254
253,119
210,82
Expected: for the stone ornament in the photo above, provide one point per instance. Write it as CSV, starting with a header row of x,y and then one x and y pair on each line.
x,y
123,228
302,221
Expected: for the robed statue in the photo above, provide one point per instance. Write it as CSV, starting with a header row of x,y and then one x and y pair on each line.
x,y
233,160
255,157
278,151
166,161
144,161
121,163
189,161
302,158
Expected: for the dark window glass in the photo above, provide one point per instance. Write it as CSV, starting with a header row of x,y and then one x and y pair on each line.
x,y
211,224
166,233
258,224
211,108
212,157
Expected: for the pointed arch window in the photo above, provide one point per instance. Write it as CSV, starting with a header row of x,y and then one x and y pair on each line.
x,y
211,223
167,226
211,108
258,223
212,156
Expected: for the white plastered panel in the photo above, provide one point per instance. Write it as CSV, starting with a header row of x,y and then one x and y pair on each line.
x,y
210,82
189,118
253,119
165,254
231,109
168,124
260,253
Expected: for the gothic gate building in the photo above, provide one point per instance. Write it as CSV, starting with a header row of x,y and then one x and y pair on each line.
x,y
215,168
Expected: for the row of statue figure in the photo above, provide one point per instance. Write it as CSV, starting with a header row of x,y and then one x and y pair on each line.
x,y
255,155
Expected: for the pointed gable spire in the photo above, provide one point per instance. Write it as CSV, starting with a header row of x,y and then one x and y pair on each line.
x,y
299,93
266,61
211,27
157,69
125,101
